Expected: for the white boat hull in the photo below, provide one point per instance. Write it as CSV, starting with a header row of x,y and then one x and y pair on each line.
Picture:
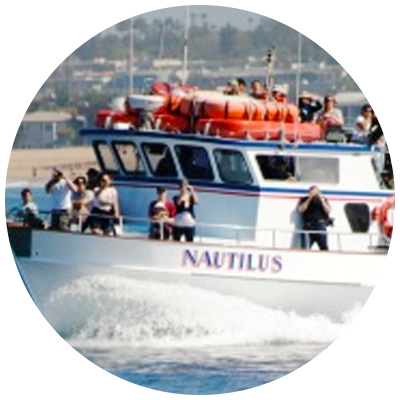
x,y
306,282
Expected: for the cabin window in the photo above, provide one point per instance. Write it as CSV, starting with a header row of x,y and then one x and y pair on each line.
x,y
159,159
358,215
105,157
194,162
232,166
276,167
317,169
128,157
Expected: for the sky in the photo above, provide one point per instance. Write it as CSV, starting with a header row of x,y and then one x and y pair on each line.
x,y
219,16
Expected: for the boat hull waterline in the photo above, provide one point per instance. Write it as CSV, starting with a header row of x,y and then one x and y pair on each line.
x,y
332,284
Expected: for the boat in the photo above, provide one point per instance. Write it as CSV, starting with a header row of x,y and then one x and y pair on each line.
x,y
248,226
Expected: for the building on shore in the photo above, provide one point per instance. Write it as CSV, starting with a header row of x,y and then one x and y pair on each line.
x,y
44,129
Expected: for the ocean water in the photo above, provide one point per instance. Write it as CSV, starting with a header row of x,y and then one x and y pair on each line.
x,y
176,338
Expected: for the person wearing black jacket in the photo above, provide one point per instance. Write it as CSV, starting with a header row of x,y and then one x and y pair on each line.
x,y
315,211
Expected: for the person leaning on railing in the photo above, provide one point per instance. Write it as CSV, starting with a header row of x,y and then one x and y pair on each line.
x,y
105,207
81,201
161,213
29,213
184,221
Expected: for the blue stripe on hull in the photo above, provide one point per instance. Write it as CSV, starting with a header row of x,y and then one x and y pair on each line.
x,y
244,189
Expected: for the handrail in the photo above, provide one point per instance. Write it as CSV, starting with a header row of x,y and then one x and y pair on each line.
x,y
235,231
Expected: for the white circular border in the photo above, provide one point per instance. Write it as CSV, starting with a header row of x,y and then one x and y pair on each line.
x,y
36,37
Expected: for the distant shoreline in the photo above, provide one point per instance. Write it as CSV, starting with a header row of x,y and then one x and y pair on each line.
x,y
33,166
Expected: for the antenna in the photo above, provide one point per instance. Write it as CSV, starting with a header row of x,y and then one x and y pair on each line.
x,y
269,80
185,46
298,74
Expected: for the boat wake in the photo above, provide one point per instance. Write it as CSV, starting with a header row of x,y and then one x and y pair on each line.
x,y
107,310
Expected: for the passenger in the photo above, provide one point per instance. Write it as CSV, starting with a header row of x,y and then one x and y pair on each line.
x,y
93,176
315,211
29,211
258,91
279,93
81,202
232,88
363,124
184,222
161,213
309,105
242,87
330,118
60,187
105,207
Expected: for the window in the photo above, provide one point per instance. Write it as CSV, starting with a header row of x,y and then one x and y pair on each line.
x,y
232,166
194,162
105,157
159,158
317,170
276,167
358,216
129,158
47,127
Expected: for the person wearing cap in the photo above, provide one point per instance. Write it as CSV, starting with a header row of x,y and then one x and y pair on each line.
x,y
184,221
161,214
232,88
330,118
309,104
60,188
279,93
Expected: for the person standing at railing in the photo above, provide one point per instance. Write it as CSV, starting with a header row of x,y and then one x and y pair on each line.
x,y
161,214
29,212
105,207
60,188
315,211
184,221
81,202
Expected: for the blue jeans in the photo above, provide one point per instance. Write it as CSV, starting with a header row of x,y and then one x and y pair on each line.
x,y
320,237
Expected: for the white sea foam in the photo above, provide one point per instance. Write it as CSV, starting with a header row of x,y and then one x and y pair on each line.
x,y
114,311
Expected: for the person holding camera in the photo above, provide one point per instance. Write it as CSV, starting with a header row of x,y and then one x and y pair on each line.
x,y
60,188
184,221
161,213
315,211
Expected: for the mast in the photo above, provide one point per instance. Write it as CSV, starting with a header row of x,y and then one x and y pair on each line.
x,y
130,62
185,46
298,74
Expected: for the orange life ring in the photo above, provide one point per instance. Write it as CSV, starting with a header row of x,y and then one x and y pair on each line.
x,y
385,216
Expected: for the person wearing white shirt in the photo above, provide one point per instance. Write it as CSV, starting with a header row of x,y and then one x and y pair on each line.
x,y
60,188
29,211
363,124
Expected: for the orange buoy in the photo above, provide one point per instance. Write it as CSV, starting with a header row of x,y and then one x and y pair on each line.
x,y
293,113
385,216
271,111
172,123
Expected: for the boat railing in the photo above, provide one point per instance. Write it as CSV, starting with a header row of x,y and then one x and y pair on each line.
x,y
274,238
